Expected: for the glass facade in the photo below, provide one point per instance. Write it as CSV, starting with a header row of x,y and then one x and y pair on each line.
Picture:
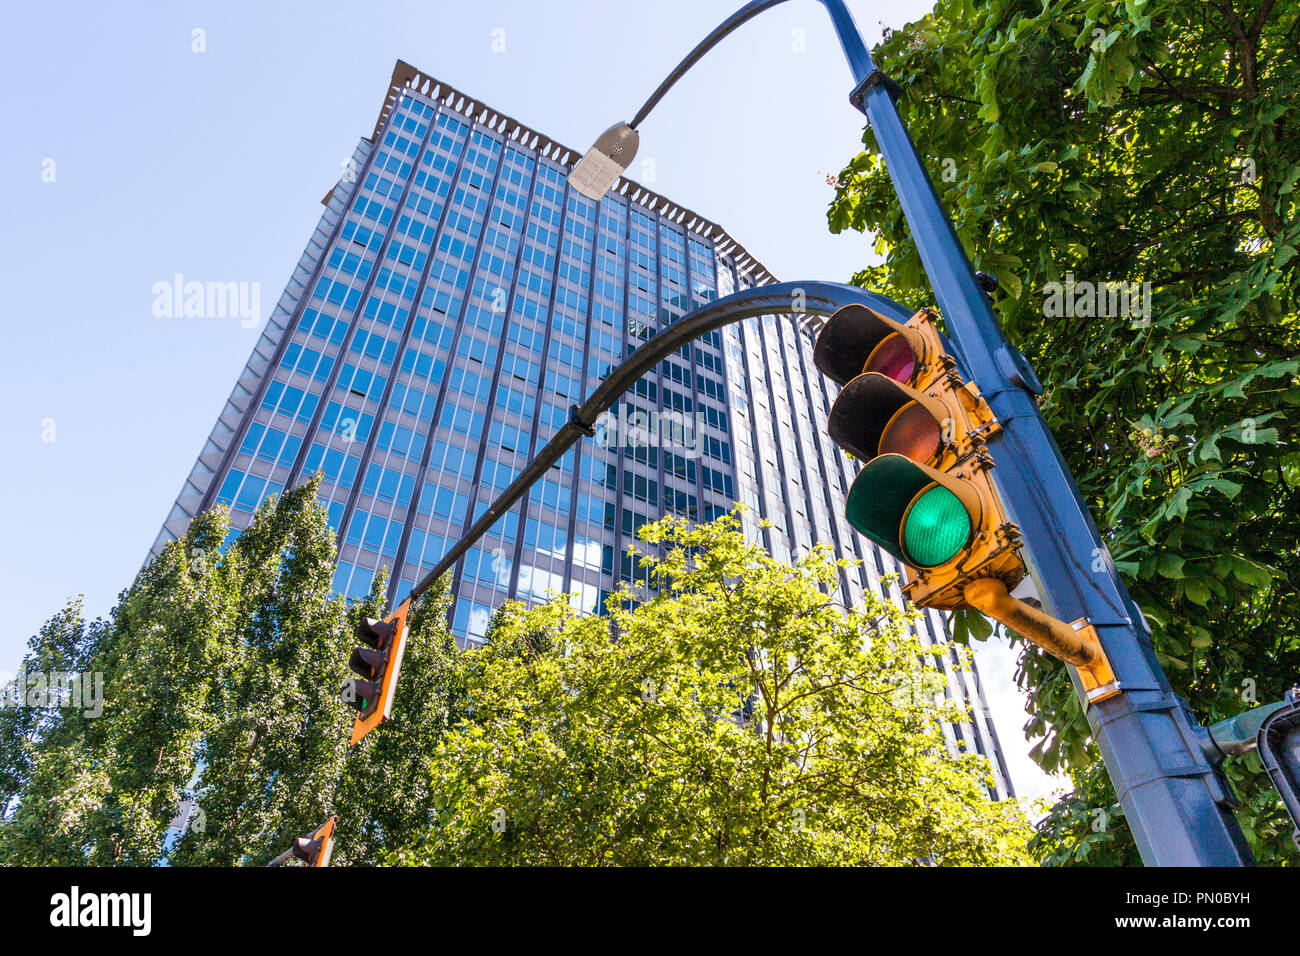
x,y
455,300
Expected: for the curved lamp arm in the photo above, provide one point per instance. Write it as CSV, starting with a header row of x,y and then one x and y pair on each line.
x,y
816,298
600,167
854,49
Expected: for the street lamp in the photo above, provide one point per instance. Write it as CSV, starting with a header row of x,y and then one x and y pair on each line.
x,y
600,167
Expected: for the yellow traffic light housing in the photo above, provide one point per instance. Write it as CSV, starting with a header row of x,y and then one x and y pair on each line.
x,y
946,528
377,663
858,339
925,492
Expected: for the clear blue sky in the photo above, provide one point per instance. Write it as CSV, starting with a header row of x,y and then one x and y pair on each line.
x,y
213,165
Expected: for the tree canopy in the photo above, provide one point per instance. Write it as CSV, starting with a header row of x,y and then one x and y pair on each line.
x,y
221,667
1078,145
732,715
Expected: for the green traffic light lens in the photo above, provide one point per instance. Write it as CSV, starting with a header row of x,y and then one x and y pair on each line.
x,y
935,527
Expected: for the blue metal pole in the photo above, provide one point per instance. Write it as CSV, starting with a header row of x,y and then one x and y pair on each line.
x,y
1178,806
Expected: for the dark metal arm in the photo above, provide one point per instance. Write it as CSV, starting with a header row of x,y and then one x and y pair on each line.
x,y
854,49
814,298
745,13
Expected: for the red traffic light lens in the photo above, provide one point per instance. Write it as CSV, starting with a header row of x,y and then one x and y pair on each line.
x,y
892,357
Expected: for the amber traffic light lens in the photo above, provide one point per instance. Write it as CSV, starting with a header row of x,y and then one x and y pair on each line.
x,y
893,358
912,432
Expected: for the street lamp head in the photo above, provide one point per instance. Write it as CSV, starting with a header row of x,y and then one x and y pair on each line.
x,y
600,167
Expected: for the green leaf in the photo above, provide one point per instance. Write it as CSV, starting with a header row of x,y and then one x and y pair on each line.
x,y
1177,505
1251,573
980,626
1196,592
1229,488
960,626
1170,566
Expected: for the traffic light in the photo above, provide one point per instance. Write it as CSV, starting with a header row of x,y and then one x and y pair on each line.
x,y
377,664
314,850
925,492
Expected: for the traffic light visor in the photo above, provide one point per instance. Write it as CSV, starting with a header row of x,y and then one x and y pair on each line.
x,y
360,694
367,662
874,415
856,334
305,848
375,633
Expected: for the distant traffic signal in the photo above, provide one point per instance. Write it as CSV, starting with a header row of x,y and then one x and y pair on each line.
x,y
377,664
314,850
925,492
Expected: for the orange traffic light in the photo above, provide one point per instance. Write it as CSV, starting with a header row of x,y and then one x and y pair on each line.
x,y
314,850
924,493
377,664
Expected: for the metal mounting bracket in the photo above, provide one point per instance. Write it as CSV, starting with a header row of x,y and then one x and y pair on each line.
x,y
875,78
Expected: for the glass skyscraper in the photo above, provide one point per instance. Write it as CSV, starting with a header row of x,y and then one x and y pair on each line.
x,y
455,300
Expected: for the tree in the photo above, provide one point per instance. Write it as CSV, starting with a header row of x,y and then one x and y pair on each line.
x,y
735,715
30,729
221,666
1078,145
